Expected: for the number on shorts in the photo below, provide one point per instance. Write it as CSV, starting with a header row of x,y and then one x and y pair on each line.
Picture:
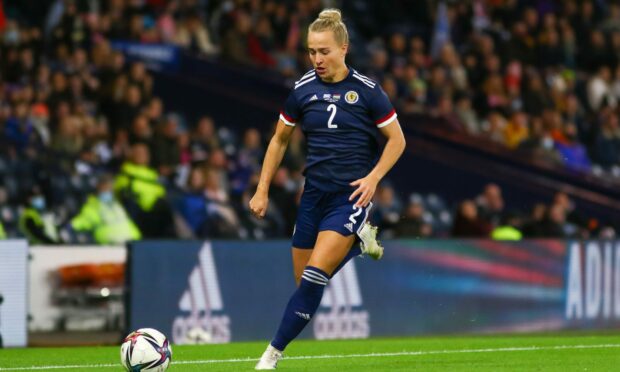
x,y
352,217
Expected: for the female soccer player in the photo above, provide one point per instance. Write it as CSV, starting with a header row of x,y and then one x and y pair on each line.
x,y
341,113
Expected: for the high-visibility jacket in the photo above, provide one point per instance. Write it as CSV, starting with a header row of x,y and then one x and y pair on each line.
x,y
139,183
506,233
107,222
47,231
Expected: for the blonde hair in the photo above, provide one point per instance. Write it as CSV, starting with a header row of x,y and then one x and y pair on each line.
x,y
331,20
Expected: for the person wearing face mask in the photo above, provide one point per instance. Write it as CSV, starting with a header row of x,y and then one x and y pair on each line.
x,y
38,226
104,218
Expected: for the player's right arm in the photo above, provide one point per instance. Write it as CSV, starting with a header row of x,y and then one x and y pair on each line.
x,y
273,158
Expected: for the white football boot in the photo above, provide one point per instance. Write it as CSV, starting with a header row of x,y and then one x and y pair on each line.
x,y
369,244
270,359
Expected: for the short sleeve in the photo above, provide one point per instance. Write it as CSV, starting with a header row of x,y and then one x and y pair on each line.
x,y
381,110
290,113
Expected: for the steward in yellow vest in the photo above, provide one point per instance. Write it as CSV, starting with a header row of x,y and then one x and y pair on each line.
x,y
138,182
36,225
105,218
143,196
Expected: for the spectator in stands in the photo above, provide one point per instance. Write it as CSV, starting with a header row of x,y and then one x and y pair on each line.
x,y
533,226
467,115
68,140
191,34
141,131
574,114
516,130
166,152
535,98
553,226
131,106
493,96
540,143
139,77
104,218
550,51
223,221
607,142
572,152
412,224
491,204
494,127
154,111
467,223
219,167
248,160
387,209
139,189
204,139
295,155
284,196
235,41
59,90
193,203
571,212
599,89
20,131
448,116
36,223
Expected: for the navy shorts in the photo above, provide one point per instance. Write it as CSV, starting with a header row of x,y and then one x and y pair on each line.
x,y
320,211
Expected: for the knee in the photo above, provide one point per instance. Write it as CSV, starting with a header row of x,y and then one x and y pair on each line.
x,y
314,277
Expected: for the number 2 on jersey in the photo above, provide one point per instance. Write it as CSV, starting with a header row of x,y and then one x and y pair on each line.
x,y
332,108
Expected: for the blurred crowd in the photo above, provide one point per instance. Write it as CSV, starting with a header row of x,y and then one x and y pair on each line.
x,y
540,77
89,153
484,215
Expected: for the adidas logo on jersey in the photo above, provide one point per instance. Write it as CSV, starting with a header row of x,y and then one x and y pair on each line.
x,y
349,226
313,98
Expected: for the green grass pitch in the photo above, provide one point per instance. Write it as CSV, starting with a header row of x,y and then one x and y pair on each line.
x,y
551,352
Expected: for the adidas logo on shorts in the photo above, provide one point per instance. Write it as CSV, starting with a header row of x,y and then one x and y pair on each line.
x,y
349,226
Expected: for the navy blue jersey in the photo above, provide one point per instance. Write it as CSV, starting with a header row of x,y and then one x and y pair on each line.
x,y
340,121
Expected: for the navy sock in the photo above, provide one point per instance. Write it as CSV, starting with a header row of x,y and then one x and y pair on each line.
x,y
301,307
354,252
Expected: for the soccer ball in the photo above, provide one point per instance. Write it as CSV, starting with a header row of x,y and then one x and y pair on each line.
x,y
146,349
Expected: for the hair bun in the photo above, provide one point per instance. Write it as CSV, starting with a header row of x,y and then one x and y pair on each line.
x,y
333,15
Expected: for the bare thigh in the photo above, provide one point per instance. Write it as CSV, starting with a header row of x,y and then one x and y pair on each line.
x,y
300,260
330,249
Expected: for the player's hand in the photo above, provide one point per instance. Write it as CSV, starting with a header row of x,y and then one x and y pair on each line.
x,y
366,188
258,204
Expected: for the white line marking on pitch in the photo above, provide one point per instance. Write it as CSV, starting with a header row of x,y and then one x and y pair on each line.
x,y
342,356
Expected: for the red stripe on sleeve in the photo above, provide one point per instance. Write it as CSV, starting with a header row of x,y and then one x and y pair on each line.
x,y
288,118
385,117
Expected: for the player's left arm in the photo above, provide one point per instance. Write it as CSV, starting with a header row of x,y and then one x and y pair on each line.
x,y
392,151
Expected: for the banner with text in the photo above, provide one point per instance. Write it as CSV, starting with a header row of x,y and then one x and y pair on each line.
x,y
159,57
223,291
